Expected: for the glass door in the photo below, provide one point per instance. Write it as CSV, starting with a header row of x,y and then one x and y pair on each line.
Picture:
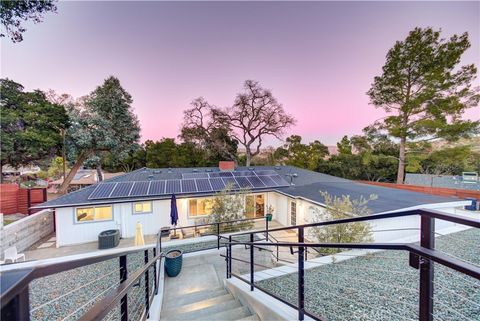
x,y
255,205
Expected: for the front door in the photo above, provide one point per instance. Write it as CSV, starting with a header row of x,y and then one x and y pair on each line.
x,y
293,213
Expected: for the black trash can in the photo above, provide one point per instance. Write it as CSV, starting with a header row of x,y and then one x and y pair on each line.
x,y
108,239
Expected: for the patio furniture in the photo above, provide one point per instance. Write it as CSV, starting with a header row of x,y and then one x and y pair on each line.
x,y
165,231
12,255
173,262
108,239
187,232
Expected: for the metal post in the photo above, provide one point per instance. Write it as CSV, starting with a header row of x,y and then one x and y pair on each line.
x,y
251,263
229,265
147,286
266,228
427,240
18,308
155,271
218,236
123,278
301,276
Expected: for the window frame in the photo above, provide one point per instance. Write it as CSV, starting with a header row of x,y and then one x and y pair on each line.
x,y
75,217
254,195
189,215
134,212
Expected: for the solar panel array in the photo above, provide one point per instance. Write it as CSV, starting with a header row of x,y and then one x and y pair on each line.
x,y
191,183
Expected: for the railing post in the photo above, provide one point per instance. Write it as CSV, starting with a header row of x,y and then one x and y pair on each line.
x,y
218,236
229,265
301,276
155,283
252,270
123,278
427,240
147,286
266,228
18,308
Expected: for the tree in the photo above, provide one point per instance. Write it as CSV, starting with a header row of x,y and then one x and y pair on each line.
x,y
12,13
101,122
425,91
254,115
301,155
345,146
55,169
202,128
30,125
339,208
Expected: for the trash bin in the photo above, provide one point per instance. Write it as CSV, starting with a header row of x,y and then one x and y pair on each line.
x,y
108,239
173,262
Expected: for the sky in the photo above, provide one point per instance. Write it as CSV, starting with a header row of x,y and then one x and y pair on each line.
x,y
318,58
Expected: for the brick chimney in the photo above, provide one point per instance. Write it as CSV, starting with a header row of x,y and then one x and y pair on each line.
x,y
226,165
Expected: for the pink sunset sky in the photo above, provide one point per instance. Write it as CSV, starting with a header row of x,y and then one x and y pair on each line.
x,y
318,58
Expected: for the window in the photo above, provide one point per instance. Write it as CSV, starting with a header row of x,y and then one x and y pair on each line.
x,y
255,205
91,214
142,207
200,206
293,213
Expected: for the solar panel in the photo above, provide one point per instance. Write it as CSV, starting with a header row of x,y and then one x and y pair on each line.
x,y
231,182
213,175
278,180
173,187
102,191
256,182
203,185
157,188
188,186
242,173
122,189
225,174
140,189
244,182
217,183
265,172
194,175
267,181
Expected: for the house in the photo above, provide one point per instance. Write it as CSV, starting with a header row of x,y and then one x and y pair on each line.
x,y
83,178
144,195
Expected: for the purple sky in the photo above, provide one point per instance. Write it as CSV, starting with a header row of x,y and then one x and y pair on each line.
x,y
318,58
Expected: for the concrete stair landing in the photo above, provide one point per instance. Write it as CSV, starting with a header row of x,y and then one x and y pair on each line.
x,y
207,305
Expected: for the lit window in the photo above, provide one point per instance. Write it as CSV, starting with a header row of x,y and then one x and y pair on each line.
x,y
142,207
200,206
90,214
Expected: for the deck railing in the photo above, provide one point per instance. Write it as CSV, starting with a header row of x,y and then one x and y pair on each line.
x,y
421,257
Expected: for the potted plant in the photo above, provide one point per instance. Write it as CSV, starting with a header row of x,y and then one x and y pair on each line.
x,y
173,262
269,215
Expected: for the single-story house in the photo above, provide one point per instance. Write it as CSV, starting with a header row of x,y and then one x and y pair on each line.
x,y
144,195
83,178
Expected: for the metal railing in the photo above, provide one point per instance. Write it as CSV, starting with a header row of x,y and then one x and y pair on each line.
x,y
421,257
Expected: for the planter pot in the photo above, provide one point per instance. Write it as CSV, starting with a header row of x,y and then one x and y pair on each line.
x,y
269,217
173,262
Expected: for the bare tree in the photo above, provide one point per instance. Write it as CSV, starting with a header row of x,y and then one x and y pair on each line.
x,y
254,115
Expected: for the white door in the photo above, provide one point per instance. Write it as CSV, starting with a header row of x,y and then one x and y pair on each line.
x,y
293,213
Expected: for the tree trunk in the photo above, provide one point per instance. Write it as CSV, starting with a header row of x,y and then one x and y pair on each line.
x,y
99,171
248,158
66,182
401,161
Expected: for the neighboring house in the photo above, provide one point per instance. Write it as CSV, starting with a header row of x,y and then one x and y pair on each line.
x,y
83,178
467,181
11,173
144,196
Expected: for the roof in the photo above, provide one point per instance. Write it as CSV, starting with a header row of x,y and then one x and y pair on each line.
x,y
307,185
86,177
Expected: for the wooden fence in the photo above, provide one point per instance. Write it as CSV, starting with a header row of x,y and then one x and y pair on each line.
x,y
14,199
439,191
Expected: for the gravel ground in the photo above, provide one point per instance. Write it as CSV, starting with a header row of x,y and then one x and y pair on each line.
x,y
382,286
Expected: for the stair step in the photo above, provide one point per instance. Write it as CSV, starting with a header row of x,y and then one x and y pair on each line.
x,y
250,318
229,315
177,301
198,309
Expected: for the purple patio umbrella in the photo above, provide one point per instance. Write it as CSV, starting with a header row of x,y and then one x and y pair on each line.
x,y
173,212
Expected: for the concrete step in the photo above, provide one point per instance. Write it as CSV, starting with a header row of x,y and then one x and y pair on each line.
x,y
250,318
176,301
200,309
229,315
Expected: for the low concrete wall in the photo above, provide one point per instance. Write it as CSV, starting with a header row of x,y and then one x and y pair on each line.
x,y
27,231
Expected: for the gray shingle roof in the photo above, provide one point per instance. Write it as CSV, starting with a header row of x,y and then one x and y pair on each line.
x,y
307,185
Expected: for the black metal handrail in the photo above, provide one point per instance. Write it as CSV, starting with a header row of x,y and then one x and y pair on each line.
x,y
421,256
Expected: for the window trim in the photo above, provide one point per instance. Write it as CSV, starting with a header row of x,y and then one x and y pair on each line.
x,y
76,221
140,213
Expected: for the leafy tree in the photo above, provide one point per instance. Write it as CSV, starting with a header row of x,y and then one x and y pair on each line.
x,y
254,115
101,122
30,125
339,208
344,146
12,13
425,91
202,128
301,155
55,169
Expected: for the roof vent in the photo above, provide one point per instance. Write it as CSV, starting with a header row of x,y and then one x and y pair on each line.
x,y
169,169
208,170
195,170
278,168
292,176
157,172
251,168
150,177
